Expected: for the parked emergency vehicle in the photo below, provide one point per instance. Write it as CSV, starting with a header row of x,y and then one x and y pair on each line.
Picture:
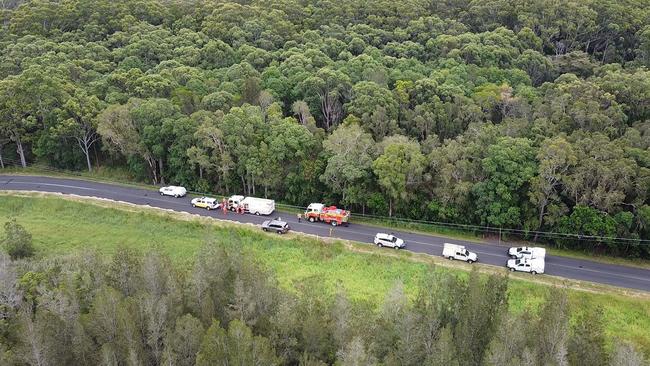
x,y
327,214
254,205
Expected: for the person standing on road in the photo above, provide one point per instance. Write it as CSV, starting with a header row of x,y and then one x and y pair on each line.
x,y
224,206
331,229
299,217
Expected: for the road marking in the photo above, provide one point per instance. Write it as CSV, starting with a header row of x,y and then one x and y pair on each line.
x,y
53,185
601,272
152,198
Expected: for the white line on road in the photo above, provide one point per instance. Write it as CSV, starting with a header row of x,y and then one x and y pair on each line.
x,y
51,184
601,272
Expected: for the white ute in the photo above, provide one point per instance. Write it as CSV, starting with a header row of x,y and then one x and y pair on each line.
x,y
533,266
454,251
527,252
388,240
174,191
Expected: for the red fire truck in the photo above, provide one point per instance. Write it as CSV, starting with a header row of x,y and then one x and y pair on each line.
x,y
327,214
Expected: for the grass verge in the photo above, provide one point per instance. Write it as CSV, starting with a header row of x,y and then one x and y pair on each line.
x,y
61,225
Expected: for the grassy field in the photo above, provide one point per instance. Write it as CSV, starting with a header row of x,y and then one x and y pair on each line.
x,y
62,226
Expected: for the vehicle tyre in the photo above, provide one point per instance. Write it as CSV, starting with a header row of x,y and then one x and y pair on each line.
x,y
396,247
257,213
512,269
333,223
279,231
379,245
207,208
311,219
232,209
162,194
265,229
534,272
176,196
193,205
470,261
450,258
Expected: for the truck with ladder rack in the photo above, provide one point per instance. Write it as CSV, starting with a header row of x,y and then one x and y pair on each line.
x,y
327,214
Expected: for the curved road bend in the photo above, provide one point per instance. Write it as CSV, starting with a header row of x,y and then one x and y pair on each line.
x,y
579,269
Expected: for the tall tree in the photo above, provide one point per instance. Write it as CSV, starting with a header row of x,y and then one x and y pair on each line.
x,y
350,153
399,168
237,346
587,342
555,157
509,166
78,121
327,90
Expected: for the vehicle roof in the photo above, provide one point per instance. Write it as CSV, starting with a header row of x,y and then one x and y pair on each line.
x,y
531,260
279,222
316,205
236,197
259,199
208,198
454,245
383,235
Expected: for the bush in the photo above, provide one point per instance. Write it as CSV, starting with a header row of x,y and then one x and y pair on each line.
x,y
17,241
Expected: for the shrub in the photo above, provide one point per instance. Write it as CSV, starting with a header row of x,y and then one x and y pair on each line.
x,y
17,241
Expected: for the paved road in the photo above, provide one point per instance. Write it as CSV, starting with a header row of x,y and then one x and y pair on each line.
x,y
616,275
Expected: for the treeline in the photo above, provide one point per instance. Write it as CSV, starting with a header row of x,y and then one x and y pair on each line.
x,y
528,115
139,309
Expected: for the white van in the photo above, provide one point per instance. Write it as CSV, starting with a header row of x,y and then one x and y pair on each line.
x,y
254,205
258,206
527,252
174,191
454,251
533,266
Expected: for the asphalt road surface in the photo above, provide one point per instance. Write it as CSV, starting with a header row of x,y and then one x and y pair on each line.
x,y
494,254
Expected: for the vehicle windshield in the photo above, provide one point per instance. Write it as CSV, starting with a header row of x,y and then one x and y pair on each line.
x,y
466,252
393,239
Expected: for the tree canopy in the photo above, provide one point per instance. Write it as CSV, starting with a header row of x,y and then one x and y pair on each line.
x,y
531,116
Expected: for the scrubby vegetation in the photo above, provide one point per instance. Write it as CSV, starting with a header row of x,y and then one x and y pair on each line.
x,y
17,241
158,290
523,115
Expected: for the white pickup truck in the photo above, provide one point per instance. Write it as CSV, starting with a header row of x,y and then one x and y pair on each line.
x,y
454,251
533,266
527,252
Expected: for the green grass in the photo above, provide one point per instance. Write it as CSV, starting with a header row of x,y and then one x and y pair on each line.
x,y
61,226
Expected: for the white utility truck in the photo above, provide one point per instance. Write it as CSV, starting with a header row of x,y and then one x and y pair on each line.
x,y
254,205
533,266
454,251
527,252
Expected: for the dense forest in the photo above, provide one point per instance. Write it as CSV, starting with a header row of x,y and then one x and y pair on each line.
x,y
139,309
530,114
